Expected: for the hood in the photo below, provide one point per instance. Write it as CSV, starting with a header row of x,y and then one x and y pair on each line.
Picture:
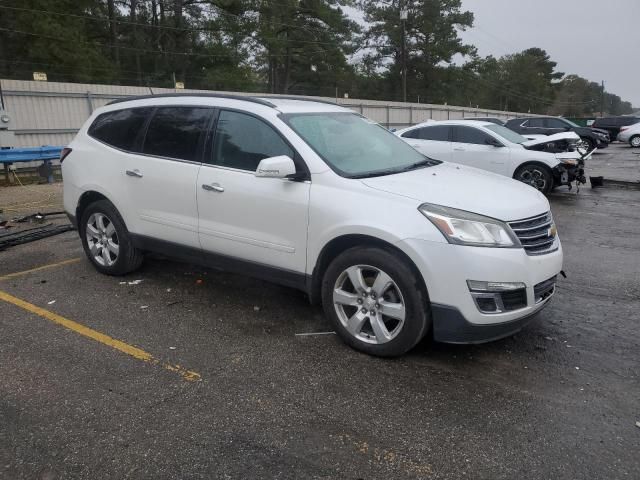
x,y
570,136
465,188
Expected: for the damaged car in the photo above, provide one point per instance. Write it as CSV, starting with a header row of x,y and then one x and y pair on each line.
x,y
499,150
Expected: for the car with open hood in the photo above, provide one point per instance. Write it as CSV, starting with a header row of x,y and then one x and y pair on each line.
x,y
394,245
497,149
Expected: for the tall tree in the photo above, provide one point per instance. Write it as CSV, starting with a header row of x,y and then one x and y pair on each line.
x,y
431,36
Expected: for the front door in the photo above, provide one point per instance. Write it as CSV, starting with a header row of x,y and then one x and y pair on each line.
x,y
262,220
471,147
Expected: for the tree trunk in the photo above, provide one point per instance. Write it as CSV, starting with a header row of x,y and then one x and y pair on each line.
x,y
113,32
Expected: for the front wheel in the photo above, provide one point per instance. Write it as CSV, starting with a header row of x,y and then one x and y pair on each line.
x,y
538,176
635,141
375,301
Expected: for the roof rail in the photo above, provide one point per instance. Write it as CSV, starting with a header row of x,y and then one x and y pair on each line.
x,y
297,97
208,95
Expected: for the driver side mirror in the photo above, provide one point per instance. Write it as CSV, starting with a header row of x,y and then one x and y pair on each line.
x,y
494,142
281,166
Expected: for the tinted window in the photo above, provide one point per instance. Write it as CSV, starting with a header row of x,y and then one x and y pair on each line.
x,y
471,135
120,128
176,132
628,121
556,123
241,141
415,133
438,133
535,123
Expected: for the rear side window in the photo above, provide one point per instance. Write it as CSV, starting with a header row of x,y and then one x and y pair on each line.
x,y
415,133
120,128
438,133
535,123
242,140
177,132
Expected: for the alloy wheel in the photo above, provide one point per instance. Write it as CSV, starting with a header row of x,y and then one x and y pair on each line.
x,y
535,177
369,304
102,239
635,142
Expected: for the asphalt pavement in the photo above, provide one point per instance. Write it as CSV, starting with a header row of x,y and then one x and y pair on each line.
x,y
79,401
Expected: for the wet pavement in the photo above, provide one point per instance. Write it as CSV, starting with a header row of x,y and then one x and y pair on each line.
x,y
559,400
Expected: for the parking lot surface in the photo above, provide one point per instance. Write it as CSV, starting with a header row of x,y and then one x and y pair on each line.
x,y
559,400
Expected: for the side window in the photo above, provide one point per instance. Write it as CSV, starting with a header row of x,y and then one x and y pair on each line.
x,y
471,135
242,140
535,123
439,133
555,123
176,132
415,133
120,128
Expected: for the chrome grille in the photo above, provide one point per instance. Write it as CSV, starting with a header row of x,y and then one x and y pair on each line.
x,y
535,234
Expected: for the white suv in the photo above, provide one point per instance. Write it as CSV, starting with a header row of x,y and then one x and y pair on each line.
x,y
315,197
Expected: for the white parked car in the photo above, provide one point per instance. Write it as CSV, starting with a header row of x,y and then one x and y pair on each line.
x,y
495,148
314,196
630,134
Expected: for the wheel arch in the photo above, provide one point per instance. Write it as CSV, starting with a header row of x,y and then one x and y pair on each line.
x,y
636,135
344,242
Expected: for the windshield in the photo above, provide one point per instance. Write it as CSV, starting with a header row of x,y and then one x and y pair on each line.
x,y
354,146
504,132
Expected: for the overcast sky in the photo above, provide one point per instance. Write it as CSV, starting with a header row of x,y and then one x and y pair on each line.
x,y
598,40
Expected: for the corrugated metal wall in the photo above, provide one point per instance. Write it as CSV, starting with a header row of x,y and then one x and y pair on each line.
x,y
49,113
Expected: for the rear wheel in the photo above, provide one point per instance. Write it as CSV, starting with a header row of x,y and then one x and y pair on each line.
x,y
375,301
538,176
635,141
106,240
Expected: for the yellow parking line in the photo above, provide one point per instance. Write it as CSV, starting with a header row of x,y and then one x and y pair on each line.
x,y
98,337
37,269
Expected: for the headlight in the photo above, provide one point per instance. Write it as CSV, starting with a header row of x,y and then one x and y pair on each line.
x,y
569,161
466,228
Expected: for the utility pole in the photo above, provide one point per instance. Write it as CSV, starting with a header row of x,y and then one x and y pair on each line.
x,y
602,101
403,18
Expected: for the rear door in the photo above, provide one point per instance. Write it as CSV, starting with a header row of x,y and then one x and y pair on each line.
x,y
433,141
161,179
241,216
471,147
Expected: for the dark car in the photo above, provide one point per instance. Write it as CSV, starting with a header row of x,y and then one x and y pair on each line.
x,y
550,125
614,124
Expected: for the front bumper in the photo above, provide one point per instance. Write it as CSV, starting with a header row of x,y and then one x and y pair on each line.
x,y
446,268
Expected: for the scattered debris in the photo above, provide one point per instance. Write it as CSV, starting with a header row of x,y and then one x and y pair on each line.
x,y
256,309
144,307
174,303
638,424
577,368
135,282
51,302
199,281
168,289
172,348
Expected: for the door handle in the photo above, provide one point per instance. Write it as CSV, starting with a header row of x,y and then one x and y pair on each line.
x,y
214,187
134,173
460,149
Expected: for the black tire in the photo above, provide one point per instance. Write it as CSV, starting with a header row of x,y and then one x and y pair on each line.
x,y
128,257
417,315
536,175
635,141
591,142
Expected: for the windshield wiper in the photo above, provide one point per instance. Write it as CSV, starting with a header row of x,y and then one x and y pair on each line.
x,y
427,162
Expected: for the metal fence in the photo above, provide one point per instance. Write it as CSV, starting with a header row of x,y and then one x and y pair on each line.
x,y
50,113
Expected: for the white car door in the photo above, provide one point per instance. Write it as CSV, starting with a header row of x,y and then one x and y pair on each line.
x,y
432,141
161,180
262,220
476,148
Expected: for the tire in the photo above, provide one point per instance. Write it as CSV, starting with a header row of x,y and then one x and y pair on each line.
x,y
635,141
408,316
536,175
591,142
106,240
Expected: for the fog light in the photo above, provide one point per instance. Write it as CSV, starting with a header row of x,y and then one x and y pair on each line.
x,y
479,286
